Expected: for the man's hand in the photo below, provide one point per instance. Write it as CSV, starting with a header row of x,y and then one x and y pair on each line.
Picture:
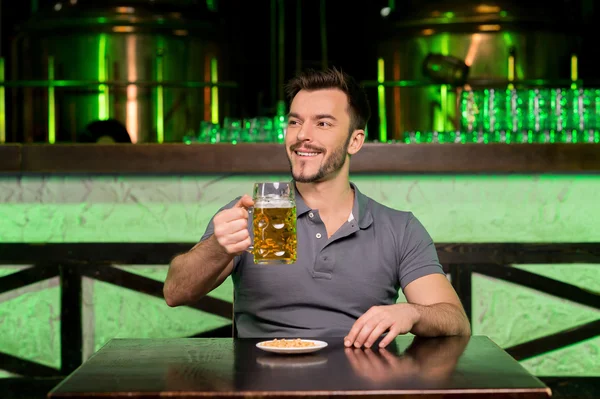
x,y
396,319
231,227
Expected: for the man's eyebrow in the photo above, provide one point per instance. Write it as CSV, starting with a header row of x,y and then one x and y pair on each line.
x,y
318,116
325,116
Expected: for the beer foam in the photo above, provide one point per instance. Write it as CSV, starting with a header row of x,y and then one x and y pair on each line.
x,y
273,203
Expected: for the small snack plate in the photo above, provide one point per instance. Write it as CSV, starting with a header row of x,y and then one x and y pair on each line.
x,y
315,346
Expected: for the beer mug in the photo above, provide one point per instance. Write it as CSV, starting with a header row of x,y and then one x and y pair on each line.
x,y
274,224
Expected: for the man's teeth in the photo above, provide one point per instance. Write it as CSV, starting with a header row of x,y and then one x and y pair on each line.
x,y
307,154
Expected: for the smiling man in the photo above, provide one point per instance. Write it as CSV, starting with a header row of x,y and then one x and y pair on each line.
x,y
354,254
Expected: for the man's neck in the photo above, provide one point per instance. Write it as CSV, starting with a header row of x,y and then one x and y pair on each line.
x,y
329,197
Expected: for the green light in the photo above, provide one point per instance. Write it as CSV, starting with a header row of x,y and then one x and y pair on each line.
x,y
160,110
381,100
51,113
214,78
429,137
517,69
2,105
511,71
574,71
212,5
440,118
449,14
102,77
445,44
503,14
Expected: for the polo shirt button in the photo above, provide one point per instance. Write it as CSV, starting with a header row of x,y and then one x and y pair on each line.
x,y
318,235
311,215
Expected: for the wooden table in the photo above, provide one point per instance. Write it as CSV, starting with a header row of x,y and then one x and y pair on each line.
x,y
223,368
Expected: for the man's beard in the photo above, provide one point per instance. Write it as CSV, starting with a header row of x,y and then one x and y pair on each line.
x,y
332,165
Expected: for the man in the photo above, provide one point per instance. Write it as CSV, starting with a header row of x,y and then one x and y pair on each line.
x,y
354,254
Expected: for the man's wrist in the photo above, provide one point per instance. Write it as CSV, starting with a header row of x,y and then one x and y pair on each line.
x,y
414,312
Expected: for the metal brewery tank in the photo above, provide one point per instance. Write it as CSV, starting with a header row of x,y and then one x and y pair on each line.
x,y
119,42
537,37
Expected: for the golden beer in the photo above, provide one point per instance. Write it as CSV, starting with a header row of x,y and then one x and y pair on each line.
x,y
274,228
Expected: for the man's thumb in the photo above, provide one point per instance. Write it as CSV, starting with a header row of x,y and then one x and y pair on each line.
x,y
244,202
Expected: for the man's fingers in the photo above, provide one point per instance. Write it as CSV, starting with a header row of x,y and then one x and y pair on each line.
x,y
240,246
230,215
236,225
244,202
391,335
355,330
236,237
382,327
222,230
366,331
357,327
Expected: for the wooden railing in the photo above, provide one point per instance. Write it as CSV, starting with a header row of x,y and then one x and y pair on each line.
x,y
71,262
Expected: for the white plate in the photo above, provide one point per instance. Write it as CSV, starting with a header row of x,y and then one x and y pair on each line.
x,y
318,345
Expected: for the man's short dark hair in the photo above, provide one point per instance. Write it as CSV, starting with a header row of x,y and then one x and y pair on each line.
x,y
332,78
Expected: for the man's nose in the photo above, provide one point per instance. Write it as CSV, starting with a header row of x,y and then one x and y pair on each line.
x,y
305,133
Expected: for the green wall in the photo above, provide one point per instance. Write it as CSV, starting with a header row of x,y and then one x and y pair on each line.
x,y
510,208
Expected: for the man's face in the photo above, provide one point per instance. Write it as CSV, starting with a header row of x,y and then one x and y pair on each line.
x,y
317,135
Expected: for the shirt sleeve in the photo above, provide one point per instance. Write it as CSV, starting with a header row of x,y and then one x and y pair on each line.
x,y
418,257
210,229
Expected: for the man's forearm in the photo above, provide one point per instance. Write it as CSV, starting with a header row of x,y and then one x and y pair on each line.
x,y
195,273
441,319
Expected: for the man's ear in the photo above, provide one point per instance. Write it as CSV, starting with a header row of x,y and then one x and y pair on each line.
x,y
356,141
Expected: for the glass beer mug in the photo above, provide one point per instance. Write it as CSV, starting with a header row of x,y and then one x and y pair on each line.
x,y
274,224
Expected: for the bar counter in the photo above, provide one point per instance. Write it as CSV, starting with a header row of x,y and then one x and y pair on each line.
x,y
271,158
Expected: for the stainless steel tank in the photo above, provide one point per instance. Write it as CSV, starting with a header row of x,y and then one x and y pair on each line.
x,y
533,40
148,64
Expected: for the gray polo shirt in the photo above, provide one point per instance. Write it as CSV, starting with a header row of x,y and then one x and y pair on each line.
x,y
334,280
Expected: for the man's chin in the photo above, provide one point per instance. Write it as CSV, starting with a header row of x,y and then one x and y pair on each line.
x,y
304,178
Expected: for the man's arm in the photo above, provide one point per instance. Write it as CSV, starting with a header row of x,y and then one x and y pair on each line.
x,y
433,308
197,272
202,269
437,307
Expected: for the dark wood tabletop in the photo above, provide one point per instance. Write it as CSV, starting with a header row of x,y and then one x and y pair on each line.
x,y
224,367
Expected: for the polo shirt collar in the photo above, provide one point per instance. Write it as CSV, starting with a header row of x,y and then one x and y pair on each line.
x,y
360,209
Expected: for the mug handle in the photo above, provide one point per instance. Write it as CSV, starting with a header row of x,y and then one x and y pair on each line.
x,y
250,249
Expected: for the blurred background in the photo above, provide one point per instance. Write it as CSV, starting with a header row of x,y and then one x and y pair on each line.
x,y
146,71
